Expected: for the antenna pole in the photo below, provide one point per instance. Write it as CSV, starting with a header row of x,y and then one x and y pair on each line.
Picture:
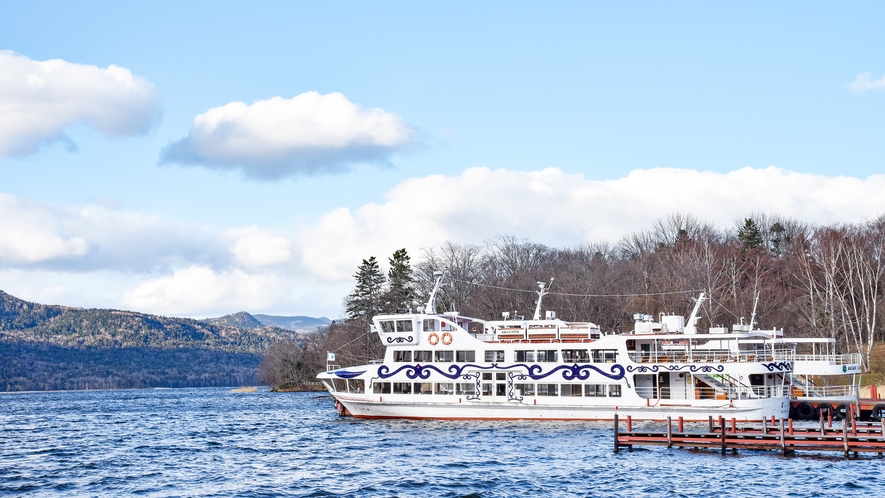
x,y
541,293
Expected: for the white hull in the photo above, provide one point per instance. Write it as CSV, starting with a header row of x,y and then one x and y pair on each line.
x,y
749,410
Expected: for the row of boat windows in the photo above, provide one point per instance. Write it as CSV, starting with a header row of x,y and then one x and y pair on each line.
x,y
490,389
428,325
519,356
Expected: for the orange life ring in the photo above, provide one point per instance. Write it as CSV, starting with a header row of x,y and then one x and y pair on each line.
x,y
433,339
446,338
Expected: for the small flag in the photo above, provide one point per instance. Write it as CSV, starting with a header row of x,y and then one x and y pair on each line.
x,y
330,356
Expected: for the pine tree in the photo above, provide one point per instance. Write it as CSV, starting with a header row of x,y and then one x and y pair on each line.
x,y
367,298
401,289
750,235
778,240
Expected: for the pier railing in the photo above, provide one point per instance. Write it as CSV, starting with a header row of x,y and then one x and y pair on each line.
x,y
850,436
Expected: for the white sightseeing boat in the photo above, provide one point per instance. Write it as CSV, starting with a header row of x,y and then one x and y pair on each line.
x,y
449,366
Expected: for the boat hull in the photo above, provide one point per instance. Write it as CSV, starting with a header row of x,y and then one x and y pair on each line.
x,y
742,410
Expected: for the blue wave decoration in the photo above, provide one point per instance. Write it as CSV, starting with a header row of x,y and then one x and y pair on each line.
x,y
676,368
347,374
399,340
535,372
780,367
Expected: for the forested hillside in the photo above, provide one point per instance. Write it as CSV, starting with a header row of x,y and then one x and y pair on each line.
x,y
55,347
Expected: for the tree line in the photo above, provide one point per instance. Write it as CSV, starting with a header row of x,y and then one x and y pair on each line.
x,y
812,280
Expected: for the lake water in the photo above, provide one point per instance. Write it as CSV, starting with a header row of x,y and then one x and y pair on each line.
x,y
212,442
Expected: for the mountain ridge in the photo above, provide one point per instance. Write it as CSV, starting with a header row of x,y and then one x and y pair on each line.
x,y
60,347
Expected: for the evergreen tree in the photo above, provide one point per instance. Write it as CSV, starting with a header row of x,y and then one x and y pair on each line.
x,y
401,290
367,298
778,240
750,235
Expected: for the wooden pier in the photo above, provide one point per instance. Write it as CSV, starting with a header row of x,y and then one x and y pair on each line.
x,y
848,436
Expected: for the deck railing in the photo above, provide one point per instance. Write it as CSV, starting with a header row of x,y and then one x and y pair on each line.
x,y
726,393
711,356
833,359
825,391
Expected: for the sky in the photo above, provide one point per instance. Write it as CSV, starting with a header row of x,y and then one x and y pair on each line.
x,y
203,158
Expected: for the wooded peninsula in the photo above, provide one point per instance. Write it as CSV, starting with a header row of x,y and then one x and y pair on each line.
x,y
813,281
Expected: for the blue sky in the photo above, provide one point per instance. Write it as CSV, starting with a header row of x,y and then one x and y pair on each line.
x,y
726,108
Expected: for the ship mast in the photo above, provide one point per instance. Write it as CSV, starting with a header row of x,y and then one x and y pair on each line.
x,y
430,307
541,293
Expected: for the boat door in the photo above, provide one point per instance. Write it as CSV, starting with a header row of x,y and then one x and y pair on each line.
x,y
494,386
679,383
664,385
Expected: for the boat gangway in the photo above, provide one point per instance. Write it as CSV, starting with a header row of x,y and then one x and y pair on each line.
x,y
849,436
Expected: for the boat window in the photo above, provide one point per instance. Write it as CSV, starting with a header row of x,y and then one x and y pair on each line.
x,y
403,325
486,388
487,376
525,356
614,391
605,355
492,356
402,356
465,388
500,376
402,388
548,389
381,388
444,388
445,326
423,388
548,356
445,356
340,385
570,390
429,325
356,385
594,390
424,356
387,326
465,356
576,356
526,389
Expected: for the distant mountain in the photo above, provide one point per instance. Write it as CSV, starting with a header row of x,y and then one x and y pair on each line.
x,y
242,320
57,347
299,323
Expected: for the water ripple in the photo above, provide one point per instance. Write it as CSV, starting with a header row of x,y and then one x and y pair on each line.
x,y
210,442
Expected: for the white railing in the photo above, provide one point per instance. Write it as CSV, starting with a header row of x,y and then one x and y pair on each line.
x,y
833,359
825,391
711,356
726,393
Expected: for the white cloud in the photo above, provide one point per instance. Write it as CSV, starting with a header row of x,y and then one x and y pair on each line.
x,y
305,135
257,248
40,99
88,238
865,82
559,209
199,290
140,262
